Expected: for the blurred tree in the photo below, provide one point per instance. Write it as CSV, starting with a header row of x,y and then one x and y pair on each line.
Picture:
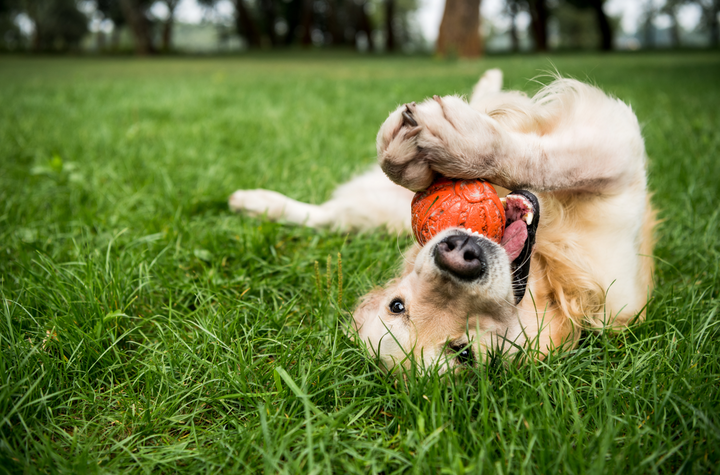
x,y
110,10
269,17
603,23
306,23
168,24
710,11
512,9
245,24
650,12
273,23
363,24
389,27
539,19
10,36
58,24
671,8
576,27
335,24
291,14
137,17
460,29
404,27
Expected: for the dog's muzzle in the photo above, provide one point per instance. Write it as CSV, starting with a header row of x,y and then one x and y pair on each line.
x,y
461,256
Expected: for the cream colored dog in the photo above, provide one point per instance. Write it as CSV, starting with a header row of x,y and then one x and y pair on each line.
x,y
578,157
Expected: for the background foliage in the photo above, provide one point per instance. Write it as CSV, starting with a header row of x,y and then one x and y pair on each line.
x,y
152,26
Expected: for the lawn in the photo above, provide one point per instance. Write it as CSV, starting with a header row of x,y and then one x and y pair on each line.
x,y
145,328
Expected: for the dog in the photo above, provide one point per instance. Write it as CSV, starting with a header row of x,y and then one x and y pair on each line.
x,y
580,255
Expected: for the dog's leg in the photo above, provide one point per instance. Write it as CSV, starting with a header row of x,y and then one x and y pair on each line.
x,y
277,206
489,84
589,142
367,201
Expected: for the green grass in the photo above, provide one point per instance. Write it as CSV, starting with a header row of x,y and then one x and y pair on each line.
x,y
144,328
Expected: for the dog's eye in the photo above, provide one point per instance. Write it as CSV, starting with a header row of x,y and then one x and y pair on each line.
x,y
463,354
396,306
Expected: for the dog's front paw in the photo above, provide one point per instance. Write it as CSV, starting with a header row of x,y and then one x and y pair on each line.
x,y
441,135
258,202
400,156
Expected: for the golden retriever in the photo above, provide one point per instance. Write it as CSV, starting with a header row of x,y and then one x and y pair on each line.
x,y
580,254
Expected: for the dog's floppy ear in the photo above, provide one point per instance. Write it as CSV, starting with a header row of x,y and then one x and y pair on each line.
x,y
520,266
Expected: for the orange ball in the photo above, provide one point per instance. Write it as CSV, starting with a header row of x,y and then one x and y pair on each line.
x,y
469,204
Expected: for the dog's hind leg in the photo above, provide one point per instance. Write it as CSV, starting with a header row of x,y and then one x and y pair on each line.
x,y
490,83
367,201
488,95
278,207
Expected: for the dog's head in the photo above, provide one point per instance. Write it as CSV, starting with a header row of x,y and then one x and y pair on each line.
x,y
457,296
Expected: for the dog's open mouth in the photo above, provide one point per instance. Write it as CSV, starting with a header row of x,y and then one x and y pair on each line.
x,y
522,215
519,213
463,257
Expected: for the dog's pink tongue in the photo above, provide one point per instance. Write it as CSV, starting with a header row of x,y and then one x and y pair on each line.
x,y
514,239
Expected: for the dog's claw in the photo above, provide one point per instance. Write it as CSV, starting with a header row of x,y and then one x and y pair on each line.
x,y
412,132
407,118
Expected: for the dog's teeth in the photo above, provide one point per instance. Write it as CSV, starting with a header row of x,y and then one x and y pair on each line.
x,y
529,217
503,200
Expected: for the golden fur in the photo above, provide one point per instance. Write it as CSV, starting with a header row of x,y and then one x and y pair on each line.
x,y
578,150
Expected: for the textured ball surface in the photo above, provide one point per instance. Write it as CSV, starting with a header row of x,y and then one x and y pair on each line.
x,y
469,204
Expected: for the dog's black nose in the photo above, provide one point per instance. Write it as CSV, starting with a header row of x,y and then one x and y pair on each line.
x,y
462,256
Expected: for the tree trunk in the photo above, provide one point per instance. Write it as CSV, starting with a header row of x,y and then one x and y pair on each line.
x,y
539,16
139,25
245,25
167,35
714,26
100,41
115,39
336,36
460,29
389,18
33,11
606,35
268,9
674,28
307,23
168,25
36,39
649,31
364,25
293,15
514,40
